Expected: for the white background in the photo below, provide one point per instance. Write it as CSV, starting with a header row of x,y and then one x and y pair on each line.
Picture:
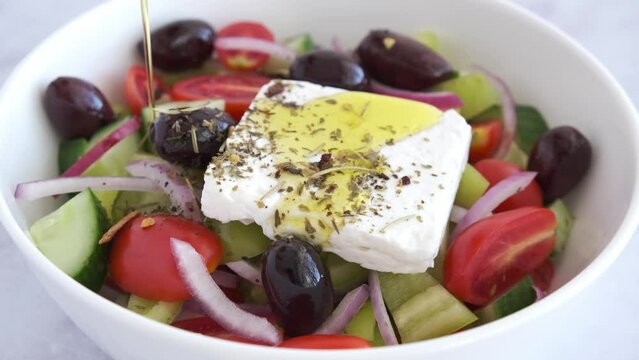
x,y
601,323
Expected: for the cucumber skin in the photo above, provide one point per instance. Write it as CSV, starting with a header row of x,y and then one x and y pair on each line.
x,y
94,269
520,296
69,152
162,311
472,186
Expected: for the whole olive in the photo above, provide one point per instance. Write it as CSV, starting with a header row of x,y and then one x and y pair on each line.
x,y
297,285
172,135
561,157
181,45
329,68
401,61
76,108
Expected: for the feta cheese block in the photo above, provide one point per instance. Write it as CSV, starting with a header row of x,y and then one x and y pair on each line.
x,y
371,178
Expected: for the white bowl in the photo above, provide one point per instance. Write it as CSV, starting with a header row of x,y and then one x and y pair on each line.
x,y
543,66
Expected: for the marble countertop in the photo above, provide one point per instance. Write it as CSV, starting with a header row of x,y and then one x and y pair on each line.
x,y
600,323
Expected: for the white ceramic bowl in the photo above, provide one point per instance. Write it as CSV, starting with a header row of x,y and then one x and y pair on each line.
x,y
542,65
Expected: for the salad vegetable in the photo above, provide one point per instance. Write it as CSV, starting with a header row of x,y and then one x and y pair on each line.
x,y
344,206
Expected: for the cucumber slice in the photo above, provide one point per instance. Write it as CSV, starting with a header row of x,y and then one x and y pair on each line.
x,y
345,275
474,89
162,311
421,308
428,39
238,240
113,162
471,187
144,202
301,43
69,238
565,221
251,293
363,323
520,296
437,271
70,151
517,156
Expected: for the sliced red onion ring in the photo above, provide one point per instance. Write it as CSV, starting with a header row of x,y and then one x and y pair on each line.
x,y
170,181
257,45
345,311
457,213
336,45
225,279
442,100
86,160
246,271
379,309
508,109
42,188
215,304
493,197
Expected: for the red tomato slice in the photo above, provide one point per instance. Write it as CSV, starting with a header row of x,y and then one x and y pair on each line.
x,y
495,253
237,90
542,276
485,140
495,170
326,342
135,86
141,261
240,60
208,326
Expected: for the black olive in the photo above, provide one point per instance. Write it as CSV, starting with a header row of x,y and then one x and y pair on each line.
x,y
329,68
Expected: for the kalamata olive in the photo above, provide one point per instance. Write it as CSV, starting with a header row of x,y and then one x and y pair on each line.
x,y
297,285
181,45
172,135
329,68
76,107
401,61
561,158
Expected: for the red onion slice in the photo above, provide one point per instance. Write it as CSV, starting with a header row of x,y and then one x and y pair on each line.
x,y
457,213
215,304
224,279
170,181
345,311
257,45
379,309
246,271
442,100
86,160
493,197
508,109
42,188
336,45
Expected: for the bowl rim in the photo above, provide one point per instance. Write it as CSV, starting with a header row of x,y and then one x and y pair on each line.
x,y
574,286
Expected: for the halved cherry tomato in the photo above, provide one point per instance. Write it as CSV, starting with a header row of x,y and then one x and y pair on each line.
x,y
326,342
135,86
208,326
237,90
141,261
495,170
542,276
495,253
240,60
485,140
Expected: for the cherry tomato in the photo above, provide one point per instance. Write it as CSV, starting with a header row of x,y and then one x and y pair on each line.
x,y
495,170
141,261
485,140
240,60
208,326
495,253
135,86
237,90
326,342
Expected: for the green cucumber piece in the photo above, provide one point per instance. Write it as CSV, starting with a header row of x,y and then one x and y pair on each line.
x,y
531,125
301,43
345,275
517,156
517,298
120,110
421,308
113,162
162,311
70,151
144,202
474,89
565,221
428,39
69,237
239,241
363,324
471,187
437,271
209,68
251,293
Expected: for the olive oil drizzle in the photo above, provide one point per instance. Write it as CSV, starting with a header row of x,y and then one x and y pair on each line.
x,y
148,59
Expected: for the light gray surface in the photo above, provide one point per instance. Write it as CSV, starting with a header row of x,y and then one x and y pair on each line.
x,y
600,323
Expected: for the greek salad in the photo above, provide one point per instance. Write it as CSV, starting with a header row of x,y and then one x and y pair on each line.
x,y
296,194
